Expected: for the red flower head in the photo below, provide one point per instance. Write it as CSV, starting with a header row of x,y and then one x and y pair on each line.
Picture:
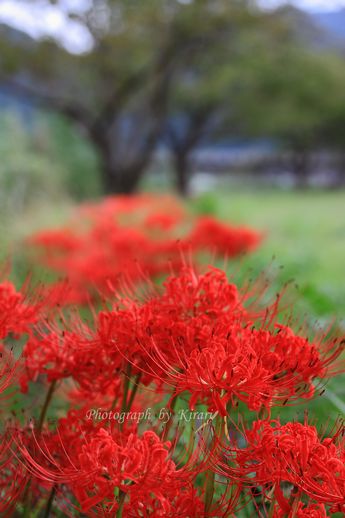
x,y
292,453
13,476
198,337
126,238
222,239
256,366
10,368
105,470
61,355
157,336
16,315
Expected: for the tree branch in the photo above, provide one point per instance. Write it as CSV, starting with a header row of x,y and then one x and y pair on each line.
x,y
69,109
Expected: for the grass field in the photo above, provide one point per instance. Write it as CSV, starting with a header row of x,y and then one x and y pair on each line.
x,y
304,232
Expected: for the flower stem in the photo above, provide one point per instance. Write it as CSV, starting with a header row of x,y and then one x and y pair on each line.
x,y
167,427
134,391
27,500
27,492
126,387
50,503
122,497
211,476
45,406
271,509
295,504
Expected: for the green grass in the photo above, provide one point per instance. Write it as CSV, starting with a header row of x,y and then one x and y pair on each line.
x,y
304,233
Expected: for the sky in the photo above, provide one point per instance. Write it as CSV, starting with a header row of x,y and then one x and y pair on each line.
x,y
40,17
310,5
37,18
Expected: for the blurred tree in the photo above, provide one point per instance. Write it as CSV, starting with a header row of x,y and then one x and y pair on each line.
x,y
332,133
190,70
117,92
25,173
43,160
194,115
204,103
271,77
290,93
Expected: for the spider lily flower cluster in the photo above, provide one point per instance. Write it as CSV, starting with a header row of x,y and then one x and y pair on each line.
x,y
197,346
124,239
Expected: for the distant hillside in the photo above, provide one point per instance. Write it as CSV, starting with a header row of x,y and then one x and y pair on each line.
x,y
333,22
8,100
311,29
16,36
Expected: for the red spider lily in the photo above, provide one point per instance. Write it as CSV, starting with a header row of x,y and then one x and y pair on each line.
x,y
69,355
93,397
109,258
195,336
122,238
258,367
106,247
293,453
142,334
104,470
157,211
16,315
94,358
13,477
198,337
224,240
10,369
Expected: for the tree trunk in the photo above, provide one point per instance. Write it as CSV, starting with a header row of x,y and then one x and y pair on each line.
x,y
300,164
182,171
341,173
118,178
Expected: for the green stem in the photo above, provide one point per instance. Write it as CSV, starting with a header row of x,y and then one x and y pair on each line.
x,y
211,476
126,387
125,391
245,507
113,405
134,391
27,492
294,508
132,396
26,500
271,509
122,497
167,427
191,441
45,406
50,503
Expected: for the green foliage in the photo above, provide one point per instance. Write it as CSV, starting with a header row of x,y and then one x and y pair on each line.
x,y
42,160
205,204
213,70
81,177
292,94
26,173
